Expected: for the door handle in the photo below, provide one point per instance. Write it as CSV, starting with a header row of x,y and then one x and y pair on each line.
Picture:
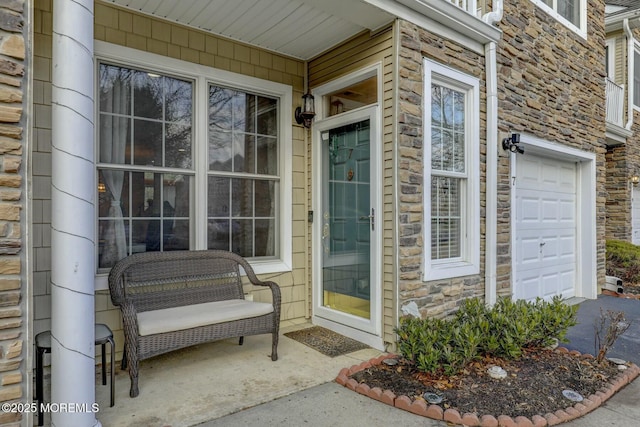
x,y
371,218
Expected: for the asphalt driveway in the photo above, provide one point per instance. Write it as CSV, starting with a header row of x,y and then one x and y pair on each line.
x,y
582,336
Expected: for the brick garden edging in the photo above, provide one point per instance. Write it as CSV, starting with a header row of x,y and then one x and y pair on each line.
x,y
436,412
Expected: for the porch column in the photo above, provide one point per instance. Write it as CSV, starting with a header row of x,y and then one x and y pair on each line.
x,y
73,215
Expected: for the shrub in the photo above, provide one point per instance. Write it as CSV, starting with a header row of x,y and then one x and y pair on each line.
x,y
476,331
623,260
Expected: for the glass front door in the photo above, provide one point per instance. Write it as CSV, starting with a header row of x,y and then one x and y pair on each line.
x,y
347,219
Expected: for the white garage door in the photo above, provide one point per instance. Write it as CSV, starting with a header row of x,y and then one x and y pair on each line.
x,y
545,227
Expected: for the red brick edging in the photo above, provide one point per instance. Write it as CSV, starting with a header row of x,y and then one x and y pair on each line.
x,y
421,407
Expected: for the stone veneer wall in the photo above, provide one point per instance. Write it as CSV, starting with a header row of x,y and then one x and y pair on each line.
x,y
13,277
443,296
618,184
623,161
551,85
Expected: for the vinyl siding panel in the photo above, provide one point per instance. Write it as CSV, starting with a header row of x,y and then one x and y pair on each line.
x,y
126,28
360,51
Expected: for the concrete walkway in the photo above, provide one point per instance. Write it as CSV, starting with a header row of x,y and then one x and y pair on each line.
x,y
223,384
333,405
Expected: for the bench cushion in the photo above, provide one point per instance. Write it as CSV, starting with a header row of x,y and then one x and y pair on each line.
x,y
192,316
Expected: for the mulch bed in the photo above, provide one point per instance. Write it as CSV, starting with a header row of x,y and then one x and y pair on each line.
x,y
533,388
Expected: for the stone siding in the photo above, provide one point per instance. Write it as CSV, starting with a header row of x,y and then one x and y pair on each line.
x,y
550,85
443,296
619,172
623,162
13,282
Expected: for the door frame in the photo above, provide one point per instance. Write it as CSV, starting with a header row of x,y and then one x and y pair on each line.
x,y
368,331
586,285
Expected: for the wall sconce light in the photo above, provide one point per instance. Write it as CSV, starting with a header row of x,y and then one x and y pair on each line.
x,y
306,113
511,144
101,187
635,179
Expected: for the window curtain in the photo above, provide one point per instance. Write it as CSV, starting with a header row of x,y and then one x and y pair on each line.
x,y
113,143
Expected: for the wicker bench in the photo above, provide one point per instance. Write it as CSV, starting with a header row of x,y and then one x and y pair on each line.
x,y
175,299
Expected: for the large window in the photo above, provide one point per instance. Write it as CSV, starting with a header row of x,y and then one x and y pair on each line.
x,y
145,160
572,13
451,172
188,162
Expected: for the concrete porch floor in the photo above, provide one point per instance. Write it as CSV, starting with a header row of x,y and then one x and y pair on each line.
x,y
205,382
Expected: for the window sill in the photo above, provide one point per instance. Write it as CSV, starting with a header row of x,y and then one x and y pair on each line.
x,y
450,271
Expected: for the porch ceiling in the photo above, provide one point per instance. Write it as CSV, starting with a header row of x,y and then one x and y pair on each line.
x,y
297,28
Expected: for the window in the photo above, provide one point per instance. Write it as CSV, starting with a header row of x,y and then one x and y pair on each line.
x,y
145,157
190,157
572,13
243,172
452,207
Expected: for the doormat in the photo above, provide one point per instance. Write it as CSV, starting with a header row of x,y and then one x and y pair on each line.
x,y
325,341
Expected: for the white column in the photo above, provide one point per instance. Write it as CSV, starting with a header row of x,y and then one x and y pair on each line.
x,y
73,215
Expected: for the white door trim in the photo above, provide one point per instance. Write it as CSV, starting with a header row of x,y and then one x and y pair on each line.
x,y
363,330
586,243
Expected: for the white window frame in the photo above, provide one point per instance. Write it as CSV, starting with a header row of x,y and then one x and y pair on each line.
x,y
469,261
202,76
581,29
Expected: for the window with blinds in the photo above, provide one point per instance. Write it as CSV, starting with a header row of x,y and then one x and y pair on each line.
x,y
451,172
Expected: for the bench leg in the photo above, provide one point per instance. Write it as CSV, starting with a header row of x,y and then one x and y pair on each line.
x,y
241,341
274,346
132,361
133,391
123,363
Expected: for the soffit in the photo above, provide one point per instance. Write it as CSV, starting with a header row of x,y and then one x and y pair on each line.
x,y
297,28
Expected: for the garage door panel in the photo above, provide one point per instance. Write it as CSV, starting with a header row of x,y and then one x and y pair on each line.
x,y
557,283
529,209
546,174
528,288
546,219
545,206
546,283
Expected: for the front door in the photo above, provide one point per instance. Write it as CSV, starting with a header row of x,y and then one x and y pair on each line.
x,y
347,282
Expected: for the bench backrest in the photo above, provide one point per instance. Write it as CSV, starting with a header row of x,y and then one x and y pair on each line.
x,y
156,280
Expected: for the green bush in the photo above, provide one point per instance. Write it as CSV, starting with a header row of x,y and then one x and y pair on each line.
x,y
623,260
476,330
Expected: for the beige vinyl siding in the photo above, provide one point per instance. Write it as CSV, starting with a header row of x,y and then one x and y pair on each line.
x,y
123,27
358,52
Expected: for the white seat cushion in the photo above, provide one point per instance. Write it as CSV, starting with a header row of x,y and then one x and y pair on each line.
x,y
192,316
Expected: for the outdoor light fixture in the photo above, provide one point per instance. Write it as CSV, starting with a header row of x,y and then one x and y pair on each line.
x,y
511,143
306,113
635,179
